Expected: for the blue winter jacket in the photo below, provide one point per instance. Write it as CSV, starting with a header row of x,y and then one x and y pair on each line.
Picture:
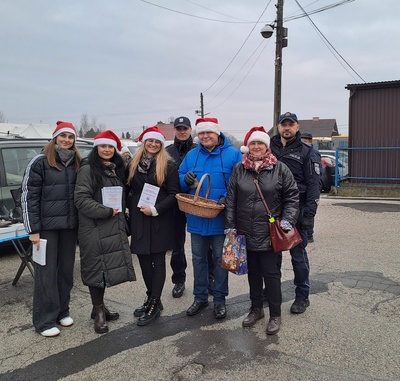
x,y
218,164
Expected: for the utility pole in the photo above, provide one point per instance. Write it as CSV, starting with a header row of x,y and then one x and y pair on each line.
x,y
281,42
201,111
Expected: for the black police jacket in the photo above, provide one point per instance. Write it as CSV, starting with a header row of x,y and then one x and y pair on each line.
x,y
304,163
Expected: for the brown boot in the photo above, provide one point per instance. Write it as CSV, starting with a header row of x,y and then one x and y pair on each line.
x,y
100,325
110,315
274,325
254,315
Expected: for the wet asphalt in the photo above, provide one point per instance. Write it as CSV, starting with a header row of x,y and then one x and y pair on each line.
x,y
351,331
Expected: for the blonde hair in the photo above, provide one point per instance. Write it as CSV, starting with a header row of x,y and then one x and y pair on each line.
x,y
51,155
161,159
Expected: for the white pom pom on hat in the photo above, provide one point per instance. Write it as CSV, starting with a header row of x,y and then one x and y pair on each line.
x,y
151,133
255,134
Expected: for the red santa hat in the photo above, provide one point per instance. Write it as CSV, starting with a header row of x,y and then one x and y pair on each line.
x,y
64,127
207,125
151,133
108,137
255,134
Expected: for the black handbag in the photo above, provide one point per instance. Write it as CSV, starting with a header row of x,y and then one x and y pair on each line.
x,y
281,240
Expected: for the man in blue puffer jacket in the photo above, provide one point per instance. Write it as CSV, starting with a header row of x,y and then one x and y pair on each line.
x,y
216,156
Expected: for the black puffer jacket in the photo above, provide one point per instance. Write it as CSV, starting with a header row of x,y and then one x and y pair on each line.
x,y
47,198
245,210
106,259
179,149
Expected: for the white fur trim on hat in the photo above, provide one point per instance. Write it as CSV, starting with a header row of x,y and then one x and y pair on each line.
x,y
208,127
256,136
259,137
101,141
153,135
64,127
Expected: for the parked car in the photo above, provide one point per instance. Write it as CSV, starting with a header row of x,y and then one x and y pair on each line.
x,y
328,159
134,146
15,154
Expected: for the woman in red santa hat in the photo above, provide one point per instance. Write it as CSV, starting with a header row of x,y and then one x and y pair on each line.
x,y
245,214
152,222
106,259
49,214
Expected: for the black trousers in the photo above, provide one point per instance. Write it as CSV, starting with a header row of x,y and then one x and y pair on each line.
x,y
153,272
264,266
178,257
53,281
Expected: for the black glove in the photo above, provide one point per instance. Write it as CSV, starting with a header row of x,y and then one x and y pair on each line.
x,y
222,200
190,178
307,222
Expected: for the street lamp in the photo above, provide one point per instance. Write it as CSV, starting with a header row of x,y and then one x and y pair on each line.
x,y
281,42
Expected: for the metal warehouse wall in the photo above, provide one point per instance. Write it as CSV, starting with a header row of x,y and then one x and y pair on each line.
x,y
374,122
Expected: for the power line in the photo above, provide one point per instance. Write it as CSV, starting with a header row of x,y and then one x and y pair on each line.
x,y
248,36
240,83
195,16
212,10
327,41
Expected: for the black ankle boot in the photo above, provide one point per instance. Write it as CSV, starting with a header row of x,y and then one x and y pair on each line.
x,y
152,312
142,309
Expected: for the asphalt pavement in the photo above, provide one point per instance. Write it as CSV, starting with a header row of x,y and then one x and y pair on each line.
x,y
350,332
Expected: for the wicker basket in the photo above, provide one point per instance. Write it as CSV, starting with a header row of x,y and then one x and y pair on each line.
x,y
199,206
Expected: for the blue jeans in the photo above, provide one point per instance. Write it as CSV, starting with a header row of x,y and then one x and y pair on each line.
x,y
200,247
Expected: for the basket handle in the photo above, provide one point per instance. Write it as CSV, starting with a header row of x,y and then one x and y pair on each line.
x,y
196,195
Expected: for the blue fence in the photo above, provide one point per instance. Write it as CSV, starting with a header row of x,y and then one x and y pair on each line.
x,y
377,164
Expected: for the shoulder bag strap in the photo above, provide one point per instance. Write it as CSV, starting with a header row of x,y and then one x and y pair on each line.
x,y
262,197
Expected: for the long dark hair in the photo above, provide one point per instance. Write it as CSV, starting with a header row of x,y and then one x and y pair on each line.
x,y
97,167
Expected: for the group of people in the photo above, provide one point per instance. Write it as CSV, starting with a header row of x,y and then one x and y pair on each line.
x,y
58,183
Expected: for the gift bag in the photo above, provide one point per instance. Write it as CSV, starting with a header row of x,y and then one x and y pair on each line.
x,y
234,255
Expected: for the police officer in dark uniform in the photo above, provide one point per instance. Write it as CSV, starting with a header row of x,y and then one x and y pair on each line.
x,y
183,143
304,163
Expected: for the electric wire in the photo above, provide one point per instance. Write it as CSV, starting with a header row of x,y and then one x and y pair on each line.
x,y
195,16
220,13
240,83
252,54
236,54
328,42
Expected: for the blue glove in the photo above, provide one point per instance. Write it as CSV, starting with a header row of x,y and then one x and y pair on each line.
x,y
190,178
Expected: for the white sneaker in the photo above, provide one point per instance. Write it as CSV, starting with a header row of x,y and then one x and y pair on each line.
x,y
67,321
51,332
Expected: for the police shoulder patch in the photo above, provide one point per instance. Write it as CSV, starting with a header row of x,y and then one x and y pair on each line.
x,y
317,169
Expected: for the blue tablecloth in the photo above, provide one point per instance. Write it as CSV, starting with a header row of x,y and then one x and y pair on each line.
x,y
24,254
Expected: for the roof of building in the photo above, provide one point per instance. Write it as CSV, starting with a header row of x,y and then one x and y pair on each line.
x,y
167,130
373,85
317,127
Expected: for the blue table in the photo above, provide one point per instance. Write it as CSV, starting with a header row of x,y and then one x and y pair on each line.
x,y
24,254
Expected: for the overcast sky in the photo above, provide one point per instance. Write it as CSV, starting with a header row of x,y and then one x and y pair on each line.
x,y
130,63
